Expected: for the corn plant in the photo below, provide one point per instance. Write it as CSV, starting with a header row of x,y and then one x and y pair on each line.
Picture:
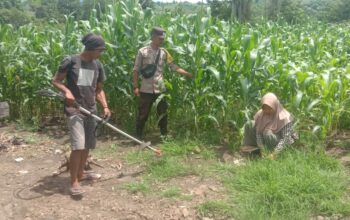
x,y
234,64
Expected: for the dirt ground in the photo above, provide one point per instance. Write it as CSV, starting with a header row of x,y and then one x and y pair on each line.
x,y
30,191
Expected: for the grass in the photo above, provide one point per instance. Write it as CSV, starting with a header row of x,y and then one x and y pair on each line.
x,y
26,126
135,187
298,185
174,161
140,156
216,208
171,192
175,192
105,151
169,167
33,139
181,148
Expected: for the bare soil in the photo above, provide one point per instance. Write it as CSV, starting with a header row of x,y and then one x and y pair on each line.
x,y
30,191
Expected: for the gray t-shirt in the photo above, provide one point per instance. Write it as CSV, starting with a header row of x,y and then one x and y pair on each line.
x,y
81,79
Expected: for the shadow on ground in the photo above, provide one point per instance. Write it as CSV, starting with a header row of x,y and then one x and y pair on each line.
x,y
46,186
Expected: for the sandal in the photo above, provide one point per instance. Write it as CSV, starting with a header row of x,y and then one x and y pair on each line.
x,y
87,171
75,191
91,176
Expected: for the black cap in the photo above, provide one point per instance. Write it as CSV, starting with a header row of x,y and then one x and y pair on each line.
x,y
158,31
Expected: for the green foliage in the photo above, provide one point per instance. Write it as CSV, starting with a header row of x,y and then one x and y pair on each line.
x,y
46,9
146,4
67,7
13,16
135,187
325,10
166,167
216,209
290,10
8,4
298,185
139,156
220,9
186,148
105,151
234,64
171,192
43,11
176,8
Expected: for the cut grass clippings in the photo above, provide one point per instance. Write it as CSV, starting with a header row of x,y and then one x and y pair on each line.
x,y
298,185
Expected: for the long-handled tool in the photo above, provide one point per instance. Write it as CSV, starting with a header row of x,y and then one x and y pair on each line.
x,y
50,93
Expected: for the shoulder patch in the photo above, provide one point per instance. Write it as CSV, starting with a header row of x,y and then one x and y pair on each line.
x,y
169,58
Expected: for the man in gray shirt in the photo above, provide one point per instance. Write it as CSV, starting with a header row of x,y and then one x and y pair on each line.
x,y
84,77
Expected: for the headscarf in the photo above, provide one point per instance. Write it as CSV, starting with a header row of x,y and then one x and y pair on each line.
x,y
274,122
93,41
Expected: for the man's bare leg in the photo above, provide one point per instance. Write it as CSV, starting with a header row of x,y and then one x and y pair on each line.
x,y
74,166
84,156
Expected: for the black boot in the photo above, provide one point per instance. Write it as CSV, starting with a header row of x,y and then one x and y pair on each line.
x,y
164,131
139,134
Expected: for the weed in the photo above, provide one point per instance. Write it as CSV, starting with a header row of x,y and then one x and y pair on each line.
x,y
295,186
169,167
214,208
171,192
135,187
105,151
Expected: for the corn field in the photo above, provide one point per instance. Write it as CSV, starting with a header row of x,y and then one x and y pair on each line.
x,y
234,64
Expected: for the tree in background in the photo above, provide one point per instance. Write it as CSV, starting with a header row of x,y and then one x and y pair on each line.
x,y
298,10
272,8
19,12
146,4
14,16
232,9
292,11
289,10
66,7
220,9
89,5
8,4
241,9
344,10
46,9
326,10
11,12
